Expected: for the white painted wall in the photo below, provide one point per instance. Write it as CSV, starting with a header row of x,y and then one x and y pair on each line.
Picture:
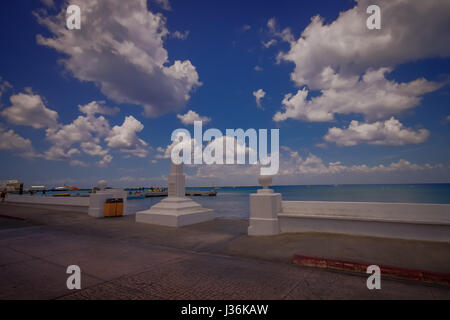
x,y
395,220
78,204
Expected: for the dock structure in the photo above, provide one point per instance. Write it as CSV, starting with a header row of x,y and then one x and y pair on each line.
x,y
195,193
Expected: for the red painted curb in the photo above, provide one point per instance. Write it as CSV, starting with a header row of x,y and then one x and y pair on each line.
x,y
401,273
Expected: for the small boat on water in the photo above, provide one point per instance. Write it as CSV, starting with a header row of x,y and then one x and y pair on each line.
x,y
211,193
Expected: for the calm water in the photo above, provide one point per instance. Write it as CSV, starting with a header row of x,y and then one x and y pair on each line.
x,y
233,203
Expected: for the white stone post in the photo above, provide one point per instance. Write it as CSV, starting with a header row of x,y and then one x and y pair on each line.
x,y
97,200
176,181
264,208
176,210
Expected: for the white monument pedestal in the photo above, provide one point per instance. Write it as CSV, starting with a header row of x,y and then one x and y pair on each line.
x,y
176,210
264,208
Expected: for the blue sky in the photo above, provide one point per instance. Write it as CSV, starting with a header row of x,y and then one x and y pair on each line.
x,y
376,109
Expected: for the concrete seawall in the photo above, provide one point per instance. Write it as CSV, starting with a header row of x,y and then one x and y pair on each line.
x,y
75,204
392,220
269,215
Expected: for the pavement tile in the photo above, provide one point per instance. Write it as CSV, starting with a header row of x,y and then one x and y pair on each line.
x,y
9,256
114,259
36,279
214,277
323,285
48,242
108,291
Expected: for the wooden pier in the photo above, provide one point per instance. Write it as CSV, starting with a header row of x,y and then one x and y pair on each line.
x,y
198,193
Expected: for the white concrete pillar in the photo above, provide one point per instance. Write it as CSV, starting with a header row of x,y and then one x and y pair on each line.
x,y
176,210
97,200
176,181
264,208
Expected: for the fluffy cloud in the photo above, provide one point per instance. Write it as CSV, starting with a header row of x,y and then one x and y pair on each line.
x,y
97,107
285,35
410,30
28,109
93,149
294,164
180,35
165,4
347,64
123,53
82,129
9,140
90,130
259,95
106,161
86,132
390,132
60,153
124,138
297,169
48,3
191,116
4,85
269,43
373,96
229,145
78,163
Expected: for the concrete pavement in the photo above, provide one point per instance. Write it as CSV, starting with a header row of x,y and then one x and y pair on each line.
x,y
120,259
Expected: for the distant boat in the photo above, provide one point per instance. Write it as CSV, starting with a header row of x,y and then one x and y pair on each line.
x,y
67,188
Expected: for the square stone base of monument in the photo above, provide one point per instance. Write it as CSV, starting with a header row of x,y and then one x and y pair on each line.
x,y
264,208
175,212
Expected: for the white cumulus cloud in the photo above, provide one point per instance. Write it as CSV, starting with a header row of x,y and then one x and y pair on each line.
x,y
125,138
410,30
120,48
373,96
28,109
9,140
259,95
97,107
390,132
165,4
4,85
191,116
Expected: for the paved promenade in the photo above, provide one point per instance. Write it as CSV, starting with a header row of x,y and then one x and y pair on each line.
x,y
120,259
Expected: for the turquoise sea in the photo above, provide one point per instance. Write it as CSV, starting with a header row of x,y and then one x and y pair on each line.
x,y
233,202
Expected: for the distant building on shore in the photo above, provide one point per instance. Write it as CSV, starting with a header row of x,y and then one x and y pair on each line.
x,y
11,185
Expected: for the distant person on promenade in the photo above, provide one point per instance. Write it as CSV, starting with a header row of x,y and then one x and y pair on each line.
x,y
3,195
31,192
